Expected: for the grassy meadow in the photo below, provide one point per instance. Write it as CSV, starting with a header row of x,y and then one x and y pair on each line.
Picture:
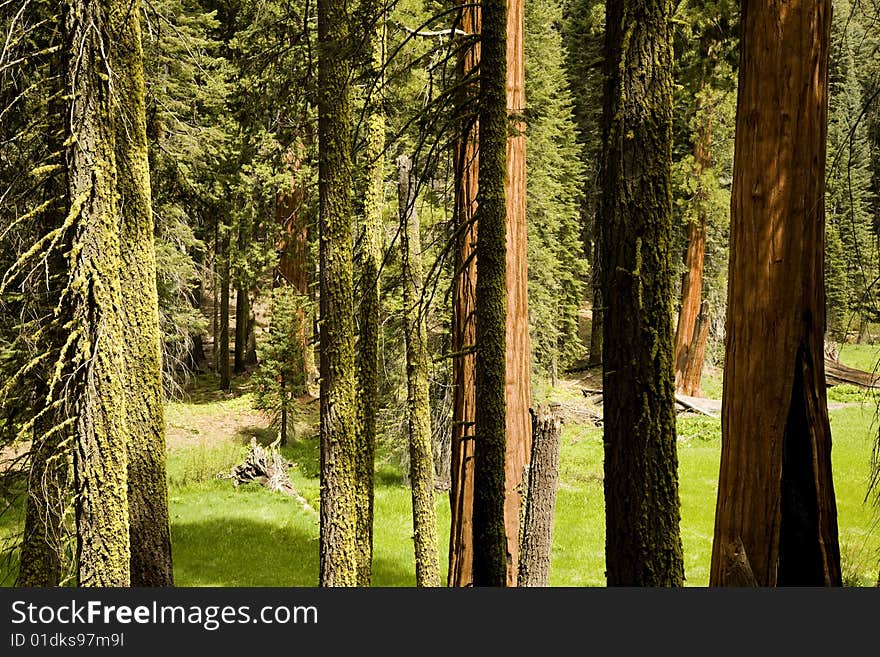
x,y
247,536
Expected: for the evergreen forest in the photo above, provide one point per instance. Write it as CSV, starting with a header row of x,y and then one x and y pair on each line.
x,y
439,293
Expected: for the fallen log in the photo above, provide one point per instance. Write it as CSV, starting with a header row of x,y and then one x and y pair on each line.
x,y
267,467
836,373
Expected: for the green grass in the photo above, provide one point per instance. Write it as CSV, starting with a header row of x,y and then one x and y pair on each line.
x,y
246,536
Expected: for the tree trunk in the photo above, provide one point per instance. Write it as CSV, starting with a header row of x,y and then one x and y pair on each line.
x,y
775,492
368,345
688,371
461,492
144,401
519,348
596,327
421,457
491,558
643,543
242,317
518,357
540,503
223,365
41,561
338,559
97,394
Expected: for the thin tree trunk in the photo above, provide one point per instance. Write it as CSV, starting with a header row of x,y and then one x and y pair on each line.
x,y
421,457
519,348
490,537
775,492
97,396
338,558
540,503
144,402
242,317
225,374
461,492
368,344
642,539
596,328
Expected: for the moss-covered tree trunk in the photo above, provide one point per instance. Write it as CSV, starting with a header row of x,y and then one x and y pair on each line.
x,y
144,403
98,396
490,538
461,492
338,562
776,510
41,561
421,457
642,540
368,343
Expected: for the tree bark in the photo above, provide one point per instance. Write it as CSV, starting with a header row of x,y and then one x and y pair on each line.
x,y
223,365
338,558
421,457
491,558
643,543
540,503
461,492
370,307
144,402
775,492
519,349
688,350
98,397
242,320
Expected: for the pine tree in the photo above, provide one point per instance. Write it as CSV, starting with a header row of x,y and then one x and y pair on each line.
x,y
642,539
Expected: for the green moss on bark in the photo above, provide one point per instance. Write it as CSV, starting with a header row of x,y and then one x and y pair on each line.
x,y
338,557
147,488
643,543
490,538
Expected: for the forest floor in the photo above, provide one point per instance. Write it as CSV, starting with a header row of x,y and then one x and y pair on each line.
x,y
247,536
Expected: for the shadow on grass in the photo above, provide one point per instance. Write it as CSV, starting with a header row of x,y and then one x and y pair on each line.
x,y
243,552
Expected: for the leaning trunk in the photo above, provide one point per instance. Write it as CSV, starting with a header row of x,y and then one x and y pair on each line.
x,y
776,504
642,540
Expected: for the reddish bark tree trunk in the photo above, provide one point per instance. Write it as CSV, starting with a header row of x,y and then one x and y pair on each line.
x,y
776,508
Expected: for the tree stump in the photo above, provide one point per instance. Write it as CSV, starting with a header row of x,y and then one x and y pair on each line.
x,y
540,502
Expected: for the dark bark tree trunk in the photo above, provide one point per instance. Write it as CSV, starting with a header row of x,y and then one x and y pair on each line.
x,y
490,536
642,543
41,560
540,502
775,493
338,559
144,402
97,394
461,492
368,343
421,456
596,328
223,364
242,321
